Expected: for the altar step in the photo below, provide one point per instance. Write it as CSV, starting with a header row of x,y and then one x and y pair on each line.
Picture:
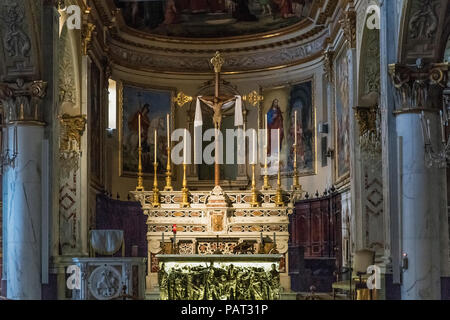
x,y
154,295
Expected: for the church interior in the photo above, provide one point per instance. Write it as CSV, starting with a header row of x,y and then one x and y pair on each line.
x,y
225,149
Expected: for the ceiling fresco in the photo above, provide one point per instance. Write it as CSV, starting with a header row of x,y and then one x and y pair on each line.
x,y
212,18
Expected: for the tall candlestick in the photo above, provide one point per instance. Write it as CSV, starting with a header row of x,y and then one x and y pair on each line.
x,y
295,132
156,146
168,131
442,127
428,131
139,129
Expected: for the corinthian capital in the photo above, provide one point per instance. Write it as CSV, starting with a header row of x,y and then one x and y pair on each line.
x,y
420,85
23,100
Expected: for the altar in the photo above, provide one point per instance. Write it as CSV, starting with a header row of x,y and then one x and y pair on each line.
x,y
210,226
218,223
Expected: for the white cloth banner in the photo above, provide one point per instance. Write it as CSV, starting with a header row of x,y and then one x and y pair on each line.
x,y
198,120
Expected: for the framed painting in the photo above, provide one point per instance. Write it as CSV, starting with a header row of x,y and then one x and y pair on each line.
x,y
280,104
154,104
95,125
342,118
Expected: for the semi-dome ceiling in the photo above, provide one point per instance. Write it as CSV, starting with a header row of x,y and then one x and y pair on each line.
x,y
212,18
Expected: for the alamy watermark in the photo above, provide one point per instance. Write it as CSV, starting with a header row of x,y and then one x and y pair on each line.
x,y
373,17
73,19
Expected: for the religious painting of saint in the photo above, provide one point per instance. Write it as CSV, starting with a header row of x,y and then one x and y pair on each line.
x,y
280,104
342,118
212,18
153,104
95,125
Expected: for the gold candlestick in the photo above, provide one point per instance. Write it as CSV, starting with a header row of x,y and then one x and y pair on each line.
x,y
155,190
254,202
140,184
266,185
168,186
185,191
279,195
296,185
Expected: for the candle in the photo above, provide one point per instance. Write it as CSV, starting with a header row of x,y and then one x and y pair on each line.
x,y
185,147
156,145
295,131
255,146
168,131
266,142
162,238
442,127
274,237
261,237
139,128
279,147
428,131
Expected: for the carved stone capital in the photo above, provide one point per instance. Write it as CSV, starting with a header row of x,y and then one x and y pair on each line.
x,y
72,130
348,24
22,101
419,85
328,65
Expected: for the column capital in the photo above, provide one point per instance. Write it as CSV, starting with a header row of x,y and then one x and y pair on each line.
x,y
419,85
22,101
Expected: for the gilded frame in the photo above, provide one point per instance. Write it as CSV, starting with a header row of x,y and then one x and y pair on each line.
x,y
283,85
120,100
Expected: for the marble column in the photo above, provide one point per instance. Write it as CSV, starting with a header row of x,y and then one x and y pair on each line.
x,y
422,191
24,133
24,214
421,196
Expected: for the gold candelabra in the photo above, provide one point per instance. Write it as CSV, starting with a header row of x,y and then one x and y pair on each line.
x,y
295,185
184,190
279,195
266,185
140,184
254,202
155,190
168,186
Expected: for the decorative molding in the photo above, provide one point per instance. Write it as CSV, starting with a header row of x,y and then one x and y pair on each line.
x,y
87,33
235,61
328,57
348,24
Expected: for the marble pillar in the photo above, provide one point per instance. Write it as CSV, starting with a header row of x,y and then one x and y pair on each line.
x,y
24,213
422,190
420,201
22,185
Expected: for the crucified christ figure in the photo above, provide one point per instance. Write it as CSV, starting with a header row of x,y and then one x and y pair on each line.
x,y
217,104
